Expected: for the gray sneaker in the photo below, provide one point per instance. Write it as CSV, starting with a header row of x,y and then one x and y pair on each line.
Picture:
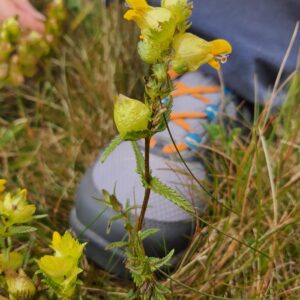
x,y
197,99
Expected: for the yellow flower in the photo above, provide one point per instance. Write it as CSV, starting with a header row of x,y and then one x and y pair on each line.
x,y
15,208
191,52
66,245
2,185
130,115
12,261
156,23
61,270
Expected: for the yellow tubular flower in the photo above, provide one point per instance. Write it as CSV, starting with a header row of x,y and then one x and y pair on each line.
x,y
16,209
66,245
2,185
191,52
156,23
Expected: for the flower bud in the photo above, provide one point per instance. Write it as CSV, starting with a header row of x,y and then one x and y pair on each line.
x,y
160,72
191,52
130,115
151,52
20,286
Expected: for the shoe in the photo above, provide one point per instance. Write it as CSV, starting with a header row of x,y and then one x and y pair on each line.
x,y
197,99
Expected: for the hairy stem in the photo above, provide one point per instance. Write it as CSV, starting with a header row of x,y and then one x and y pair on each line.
x,y
147,190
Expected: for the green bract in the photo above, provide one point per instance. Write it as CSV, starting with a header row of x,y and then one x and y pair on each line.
x,y
131,115
181,9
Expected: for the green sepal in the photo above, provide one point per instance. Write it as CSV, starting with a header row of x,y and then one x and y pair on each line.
x,y
137,135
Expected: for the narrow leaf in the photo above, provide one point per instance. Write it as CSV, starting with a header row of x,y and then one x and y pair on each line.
x,y
20,230
157,263
145,233
160,188
140,164
111,147
115,245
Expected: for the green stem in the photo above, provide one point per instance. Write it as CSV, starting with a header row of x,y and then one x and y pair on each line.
x,y
148,179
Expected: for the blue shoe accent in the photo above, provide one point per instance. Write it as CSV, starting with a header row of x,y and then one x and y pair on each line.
x,y
211,111
227,91
193,140
165,101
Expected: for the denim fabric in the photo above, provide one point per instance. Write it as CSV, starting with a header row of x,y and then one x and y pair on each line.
x,y
259,31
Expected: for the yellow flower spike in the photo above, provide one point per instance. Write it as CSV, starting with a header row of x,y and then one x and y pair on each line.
x,y
66,245
130,115
2,185
191,52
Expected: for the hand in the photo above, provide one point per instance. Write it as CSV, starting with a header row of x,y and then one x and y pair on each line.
x,y
28,16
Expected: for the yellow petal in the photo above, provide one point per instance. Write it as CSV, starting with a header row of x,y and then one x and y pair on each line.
x,y
56,239
138,4
220,47
2,185
213,63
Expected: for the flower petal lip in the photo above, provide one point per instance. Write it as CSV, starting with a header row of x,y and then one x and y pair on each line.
x,y
138,4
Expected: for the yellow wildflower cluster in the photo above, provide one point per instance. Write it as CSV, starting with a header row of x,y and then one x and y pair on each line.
x,y
21,51
61,269
163,29
14,208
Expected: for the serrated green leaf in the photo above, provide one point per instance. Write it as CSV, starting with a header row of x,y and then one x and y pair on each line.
x,y
14,230
111,147
157,263
163,190
115,245
139,158
147,232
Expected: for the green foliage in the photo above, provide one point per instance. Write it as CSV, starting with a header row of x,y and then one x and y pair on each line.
x,y
140,163
160,188
111,147
16,230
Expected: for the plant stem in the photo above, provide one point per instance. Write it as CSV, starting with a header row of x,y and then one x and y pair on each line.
x,y
147,190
